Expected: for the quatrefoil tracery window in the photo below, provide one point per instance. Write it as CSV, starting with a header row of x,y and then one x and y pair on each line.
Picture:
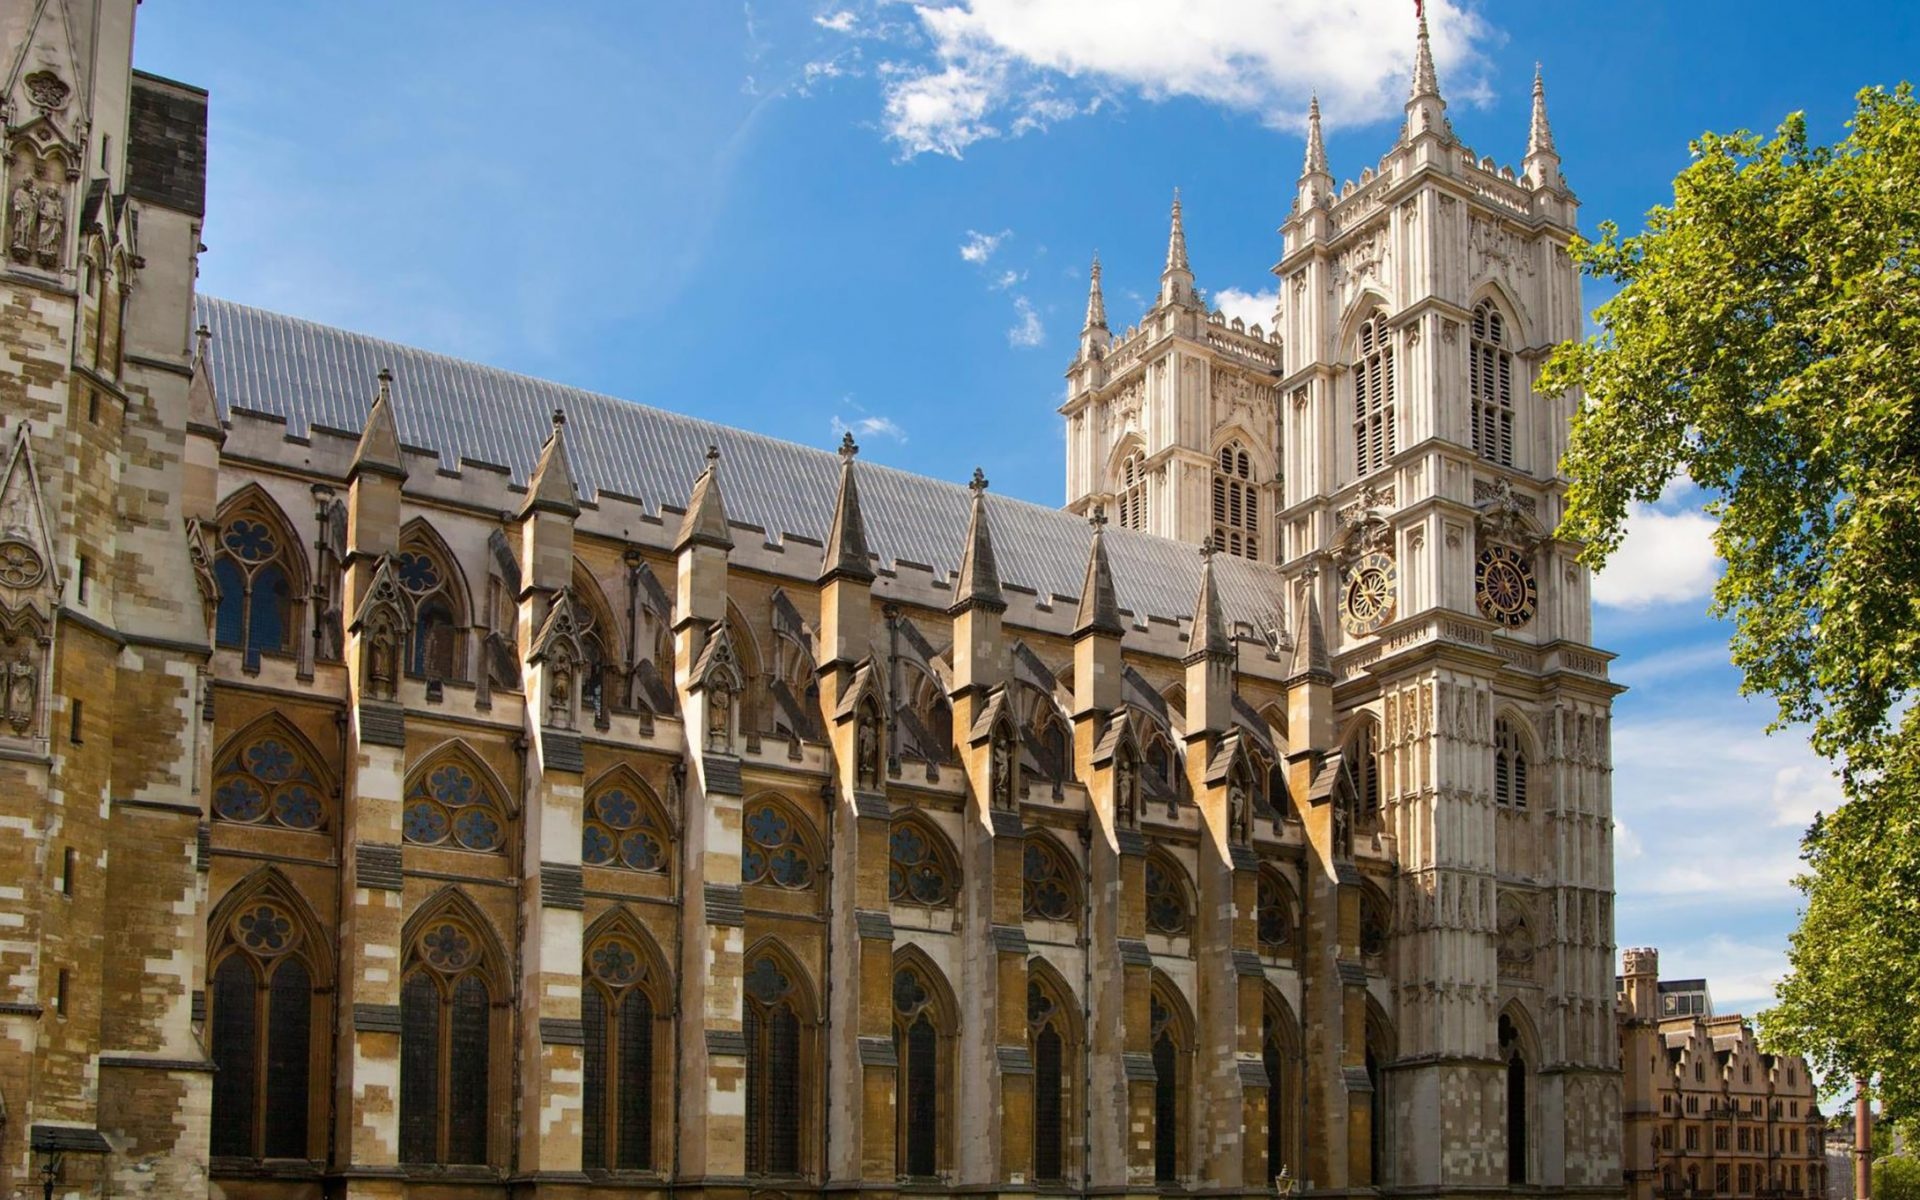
x,y
617,1011
261,1027
624,828
449,805
428,578
1047,885
1166,899
268,781
920,870
1273,918
254,570
775,852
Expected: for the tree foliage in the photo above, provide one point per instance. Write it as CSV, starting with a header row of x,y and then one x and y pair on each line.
x,y
1896,1178
1765,343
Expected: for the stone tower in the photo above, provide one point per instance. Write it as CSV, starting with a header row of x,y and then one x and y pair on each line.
x,y
109,473
1401,473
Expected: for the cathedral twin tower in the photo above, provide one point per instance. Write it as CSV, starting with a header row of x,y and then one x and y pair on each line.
x,y
496,788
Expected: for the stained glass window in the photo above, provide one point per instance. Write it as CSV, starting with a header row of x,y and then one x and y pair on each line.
x,y
431,583
1048,1046
624,829
772,1027
449,804
1166,899
446,1043
1274,917
617,1011
1166,1096
261,1029
1274,1062
1048,889
774,851
916,1046
1375,923
920,867
268,780
253,569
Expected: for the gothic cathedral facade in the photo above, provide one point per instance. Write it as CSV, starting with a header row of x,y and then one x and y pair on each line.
x,y
421,781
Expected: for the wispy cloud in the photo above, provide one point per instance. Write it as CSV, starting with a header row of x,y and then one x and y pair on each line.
x,y
885,427
979,247
1027,331
972,70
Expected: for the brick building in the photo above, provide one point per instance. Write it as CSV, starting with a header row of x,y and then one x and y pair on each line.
x,y
1708,1113
420,780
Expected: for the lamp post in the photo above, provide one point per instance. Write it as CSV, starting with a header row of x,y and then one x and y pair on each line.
x,y
49,1175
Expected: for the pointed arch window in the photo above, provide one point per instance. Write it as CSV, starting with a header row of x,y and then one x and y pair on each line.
x,y
261,1015
1048,888
1516,1100
1359,759
1278,1060
917,1048
1130,497
624,828
619,1008
446,1045
774,1068
1169,1071
1490,383
1168,910
269,778
1049,1041
1236,503
921,868
427,575
1373,395
776,849
260,575
450,804
1509,766
1273,917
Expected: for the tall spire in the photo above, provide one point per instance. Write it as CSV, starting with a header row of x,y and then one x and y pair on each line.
x,y
1099,610
979,582
1426,110
1177,239
845,555
1542,164
1316,182
1096,301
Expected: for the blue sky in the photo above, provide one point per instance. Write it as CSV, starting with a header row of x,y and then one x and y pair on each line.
x,y
800,216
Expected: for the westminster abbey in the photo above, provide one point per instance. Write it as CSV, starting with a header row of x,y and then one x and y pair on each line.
x,y
422,781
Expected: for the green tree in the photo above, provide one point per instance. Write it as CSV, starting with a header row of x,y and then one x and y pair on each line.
x,y
1765,343
1896,1179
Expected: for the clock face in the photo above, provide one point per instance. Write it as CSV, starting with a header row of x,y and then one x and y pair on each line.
x,y
1366,602
1504,586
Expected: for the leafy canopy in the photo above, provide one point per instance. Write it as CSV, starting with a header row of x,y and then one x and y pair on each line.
x,y
1765,343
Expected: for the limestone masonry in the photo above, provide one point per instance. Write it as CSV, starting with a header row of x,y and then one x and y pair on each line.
x,y
420,780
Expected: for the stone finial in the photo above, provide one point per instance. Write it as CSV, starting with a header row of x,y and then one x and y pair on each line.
x,y
1096,300
551,487
1099,610
1426,109
706,520
845,555
1316,163
379,448
1542,164
1177,241
1208,637
979,581
1426,81
1310,658
203,409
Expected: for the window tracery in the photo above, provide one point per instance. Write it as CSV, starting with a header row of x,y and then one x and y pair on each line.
x,y
1236,503
1373,395
1049,1040
446,1042
268,778
1130,496
1167,909
916,1044
1273,917
1166,1035
450,804
774,1067
776,851
428,577
625,828
261,1022
1509,766
1490,384
920,868
618,1009
258,571
1048,887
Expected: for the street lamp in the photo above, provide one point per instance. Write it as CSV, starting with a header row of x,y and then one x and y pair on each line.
x,y
49,1175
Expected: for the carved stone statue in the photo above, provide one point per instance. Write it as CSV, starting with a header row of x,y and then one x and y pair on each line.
x,y
1237,825
52,226
1000,771
719,720
1342,828
1126,791
22,694
383,658
866,752
560,692
25,208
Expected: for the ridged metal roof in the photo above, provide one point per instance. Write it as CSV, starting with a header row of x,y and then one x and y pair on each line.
x,y
310,374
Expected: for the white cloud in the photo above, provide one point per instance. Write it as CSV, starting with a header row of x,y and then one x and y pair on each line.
x,y
870,426
979,247
1255,308
839,22
1666,558
1007,279
1027,332
1740,974
1005,67
1802,791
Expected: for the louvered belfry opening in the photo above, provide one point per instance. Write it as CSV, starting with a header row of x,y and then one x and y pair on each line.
x,y
1373,396
1490,383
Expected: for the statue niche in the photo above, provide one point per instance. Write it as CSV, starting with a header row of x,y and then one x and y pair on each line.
x,y
37,206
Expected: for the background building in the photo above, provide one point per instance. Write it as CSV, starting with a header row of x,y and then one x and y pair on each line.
x,y
424,780
1707,1112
